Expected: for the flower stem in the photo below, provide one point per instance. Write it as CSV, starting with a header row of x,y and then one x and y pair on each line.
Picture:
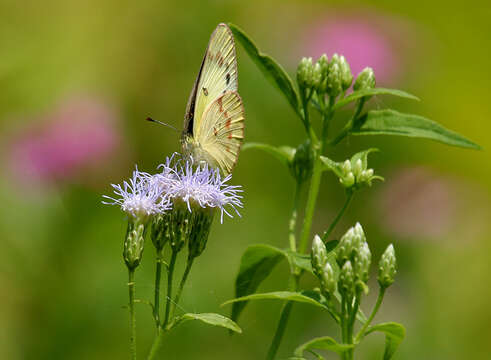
x,y
280,330
372,315
158,273
310,207
338,217
170,275
181,284
131,289
157,342
293,219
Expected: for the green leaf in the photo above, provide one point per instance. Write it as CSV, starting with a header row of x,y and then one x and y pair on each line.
x,y
256,264
301,261
335,167
273,71
363,156
331,245
279,295
211,319
284,154
394,334
390,122
370,92
323,343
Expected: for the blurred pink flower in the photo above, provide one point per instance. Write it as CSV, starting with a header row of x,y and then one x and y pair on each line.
x,y
364,38
79,135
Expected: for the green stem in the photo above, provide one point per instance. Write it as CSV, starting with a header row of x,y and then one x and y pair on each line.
x,y
170,275
351,323
293,219
131,289
338,216
343,324
181,284
158,274
311,200
280,330
372,315
157,342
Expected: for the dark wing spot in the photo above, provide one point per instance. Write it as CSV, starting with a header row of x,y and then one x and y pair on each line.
x,y
228,78
205,91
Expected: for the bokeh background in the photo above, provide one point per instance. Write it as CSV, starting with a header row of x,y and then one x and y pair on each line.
x,y
77,78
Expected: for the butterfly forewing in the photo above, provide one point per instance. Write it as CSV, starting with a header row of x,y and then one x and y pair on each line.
x,y
222,130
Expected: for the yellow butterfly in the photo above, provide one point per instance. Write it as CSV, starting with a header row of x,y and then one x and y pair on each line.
x,y
214,120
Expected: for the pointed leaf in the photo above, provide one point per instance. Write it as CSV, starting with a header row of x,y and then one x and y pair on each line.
x,y
256,264
211,319
301,261
284,154
370,92
273,71
391,122
335,167
363,156
394,334
323,343
279,295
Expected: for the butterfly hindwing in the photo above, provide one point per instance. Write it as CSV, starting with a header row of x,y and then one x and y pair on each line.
x,y
221,131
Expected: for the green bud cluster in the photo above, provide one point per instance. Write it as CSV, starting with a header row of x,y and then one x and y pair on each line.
x,y
339,76
303,162
305,73
355,174
321,267
133,244
347,280
387,267
365,80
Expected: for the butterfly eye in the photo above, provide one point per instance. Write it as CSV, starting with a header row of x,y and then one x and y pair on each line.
x,y
205,91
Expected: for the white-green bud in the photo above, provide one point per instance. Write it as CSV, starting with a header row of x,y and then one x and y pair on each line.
x,y
200,220
327,279
346,75
348,180
160,232
345,247
363,259
347,167
305,73
318,256
387,267
365,80
334,85
347,280
133,244
357,168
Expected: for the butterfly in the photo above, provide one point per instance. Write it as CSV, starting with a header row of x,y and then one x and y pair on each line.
x,y
214,120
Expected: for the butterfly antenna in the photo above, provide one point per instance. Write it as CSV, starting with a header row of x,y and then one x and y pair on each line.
x,y
161,123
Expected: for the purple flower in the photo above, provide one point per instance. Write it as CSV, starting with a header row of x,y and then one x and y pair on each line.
x,y
139,197
199,184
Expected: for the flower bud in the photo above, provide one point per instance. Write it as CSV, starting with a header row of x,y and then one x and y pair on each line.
x,y
305,73
328,280
363,258
201,220
347,280
346,76
318,256
365,80
133,244
387,267
359,236
303,162
334,86
348,180
160,232
345,247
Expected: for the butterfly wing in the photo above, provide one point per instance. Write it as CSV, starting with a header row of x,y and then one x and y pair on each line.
x,y
221,131
217,74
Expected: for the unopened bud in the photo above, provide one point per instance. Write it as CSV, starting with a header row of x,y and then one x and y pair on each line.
x,y
363,259
305,73
345,247
387,267
365,80
303,162
346,76
327,279
334,86
347,167
201,220
347,280
357,168
160,232
318,257
348,180
133,244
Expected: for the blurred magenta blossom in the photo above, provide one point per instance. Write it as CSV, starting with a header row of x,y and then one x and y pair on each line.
x,y
79,135
364,38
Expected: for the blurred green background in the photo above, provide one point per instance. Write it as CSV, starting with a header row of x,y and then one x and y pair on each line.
x,y
78,78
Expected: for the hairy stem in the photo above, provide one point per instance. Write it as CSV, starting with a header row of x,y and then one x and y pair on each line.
x,y
328,232
158,274
189,264
280,330
131,289
372,315
170,275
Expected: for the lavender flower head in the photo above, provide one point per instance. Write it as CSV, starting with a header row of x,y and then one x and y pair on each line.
x,y
199,184
139,197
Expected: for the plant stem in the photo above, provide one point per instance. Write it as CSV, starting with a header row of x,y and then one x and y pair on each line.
x,y
189,264
311,200
351,323
157,342
170,275
372,315
293,219
343,324
158,273
131,290
280,330
338,216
